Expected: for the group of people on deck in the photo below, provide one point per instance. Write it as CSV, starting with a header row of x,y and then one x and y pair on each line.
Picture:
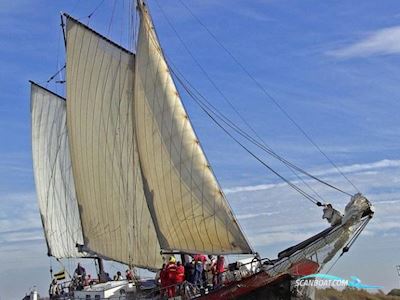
x,y
80,279
200,272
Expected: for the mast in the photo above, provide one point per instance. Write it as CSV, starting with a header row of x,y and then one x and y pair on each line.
x,y
102,273
63,30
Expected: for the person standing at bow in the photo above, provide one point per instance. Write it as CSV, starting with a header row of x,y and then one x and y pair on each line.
x,y
333,216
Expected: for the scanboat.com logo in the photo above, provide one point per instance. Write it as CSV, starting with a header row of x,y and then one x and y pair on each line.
x,y
325,280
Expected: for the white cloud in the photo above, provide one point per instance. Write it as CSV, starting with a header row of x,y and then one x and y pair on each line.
x,y
385,226
252,188
279,237
249,216
380,42
386,163
354,168
274,213
19,218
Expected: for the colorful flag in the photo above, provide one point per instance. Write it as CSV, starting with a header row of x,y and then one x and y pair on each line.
x,y
60,275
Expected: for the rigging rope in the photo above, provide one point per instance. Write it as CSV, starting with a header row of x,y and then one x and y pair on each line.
x,y
213,110
227,100
260,144
97,7
58,72
351,242
111,18
268,95
295,187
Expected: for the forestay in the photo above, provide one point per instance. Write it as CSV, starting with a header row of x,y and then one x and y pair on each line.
x,y
188,207
115,219
53,175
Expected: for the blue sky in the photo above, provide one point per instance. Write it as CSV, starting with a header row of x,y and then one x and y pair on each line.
x,y
333,66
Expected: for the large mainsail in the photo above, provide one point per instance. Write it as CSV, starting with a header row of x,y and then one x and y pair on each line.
x,y
188,207
53,175
115,219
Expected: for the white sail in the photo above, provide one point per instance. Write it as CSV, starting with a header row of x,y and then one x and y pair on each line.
x,y
53,175
115,219
189,210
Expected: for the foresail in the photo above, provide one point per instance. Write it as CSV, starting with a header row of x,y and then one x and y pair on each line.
x,y
188,207
115,219
53,176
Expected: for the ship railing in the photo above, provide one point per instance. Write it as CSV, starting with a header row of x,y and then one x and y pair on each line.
x,y
188,290
184,290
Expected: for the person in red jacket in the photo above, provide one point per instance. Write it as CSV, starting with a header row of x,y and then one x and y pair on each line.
x,y
220,269
171,277
129,275
163,280
180,276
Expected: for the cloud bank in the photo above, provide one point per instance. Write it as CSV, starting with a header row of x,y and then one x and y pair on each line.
x,y
381,42
349,169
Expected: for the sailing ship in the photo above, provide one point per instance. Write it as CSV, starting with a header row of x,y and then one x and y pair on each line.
x,y
121,175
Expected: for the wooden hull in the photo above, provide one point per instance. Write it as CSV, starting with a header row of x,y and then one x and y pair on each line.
x,y
258,286
261,286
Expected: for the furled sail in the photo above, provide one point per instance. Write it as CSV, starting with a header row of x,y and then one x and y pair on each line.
x,y
53,175
116,221
189,210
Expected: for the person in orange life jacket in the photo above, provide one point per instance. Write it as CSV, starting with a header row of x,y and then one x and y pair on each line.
x,y
180,276
129,275
171,277
201,258
220,269
180,272
163,279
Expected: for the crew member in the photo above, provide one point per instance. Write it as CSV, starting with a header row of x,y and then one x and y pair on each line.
x,y
333,216
80,271
118,276
54,289
171,277
180,276
199,261
220,269
162,276
129,275
80,275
